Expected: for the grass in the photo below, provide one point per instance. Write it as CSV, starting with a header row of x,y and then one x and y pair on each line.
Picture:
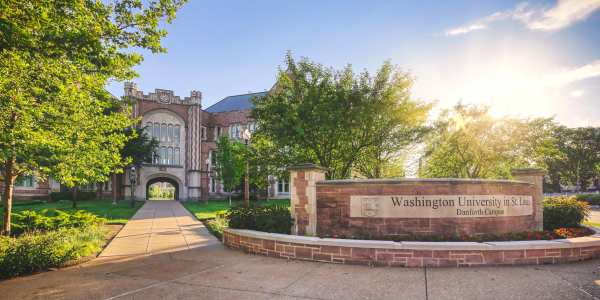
x,y
591,224
204,211
116,214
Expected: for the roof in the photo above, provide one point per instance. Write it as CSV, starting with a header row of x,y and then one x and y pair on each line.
x,y
238,102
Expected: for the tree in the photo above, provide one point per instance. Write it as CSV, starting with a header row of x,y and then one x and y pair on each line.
x,y
151,193
228,162
575,149
56,56
469,143
332,117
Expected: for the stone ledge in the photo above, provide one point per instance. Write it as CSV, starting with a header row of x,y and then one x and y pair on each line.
x,y
424,181
589,241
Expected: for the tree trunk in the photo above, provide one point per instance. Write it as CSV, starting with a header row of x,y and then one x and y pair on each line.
x,y
75,195
7,196
229,199
114,185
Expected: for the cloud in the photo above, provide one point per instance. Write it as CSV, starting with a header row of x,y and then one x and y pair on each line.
x,y
562,15
576,93
567,76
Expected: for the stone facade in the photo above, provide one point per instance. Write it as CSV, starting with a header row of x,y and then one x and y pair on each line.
x,y
383,254
197,137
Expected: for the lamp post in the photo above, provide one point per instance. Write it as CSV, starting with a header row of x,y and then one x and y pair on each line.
x,y
207,178
246,135
132,186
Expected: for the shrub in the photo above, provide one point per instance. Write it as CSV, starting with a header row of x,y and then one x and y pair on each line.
x,y
57,196
36,250
591,199
30,220
266,218
562,212
214,226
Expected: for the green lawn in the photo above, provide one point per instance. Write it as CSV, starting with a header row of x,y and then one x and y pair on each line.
x,y
116,214
204,211
591,224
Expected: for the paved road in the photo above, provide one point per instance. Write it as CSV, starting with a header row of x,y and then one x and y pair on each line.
x,y
161,226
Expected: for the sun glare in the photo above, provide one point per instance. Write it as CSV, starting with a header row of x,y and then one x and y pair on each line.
x,y
508,94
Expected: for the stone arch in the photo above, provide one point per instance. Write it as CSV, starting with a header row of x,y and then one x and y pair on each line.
x,y
168,112
163,177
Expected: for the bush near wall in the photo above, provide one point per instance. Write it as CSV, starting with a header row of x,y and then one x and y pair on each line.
x,y
591,199
563,212
240,197
56,196
265,218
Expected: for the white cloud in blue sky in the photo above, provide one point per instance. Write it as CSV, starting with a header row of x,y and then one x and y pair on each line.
x,y
550,18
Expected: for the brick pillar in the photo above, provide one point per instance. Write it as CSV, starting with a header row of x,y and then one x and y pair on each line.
x,y
534,176
303,194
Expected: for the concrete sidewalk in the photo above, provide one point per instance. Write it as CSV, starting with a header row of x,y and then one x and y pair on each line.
x,y
161,226
230,274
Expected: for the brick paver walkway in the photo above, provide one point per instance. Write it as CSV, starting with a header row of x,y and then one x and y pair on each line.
x,y
161,226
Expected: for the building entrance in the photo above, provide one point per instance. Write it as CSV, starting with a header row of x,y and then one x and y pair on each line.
x,y
162,188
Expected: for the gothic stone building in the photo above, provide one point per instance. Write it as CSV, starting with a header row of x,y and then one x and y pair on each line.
x,y
187,135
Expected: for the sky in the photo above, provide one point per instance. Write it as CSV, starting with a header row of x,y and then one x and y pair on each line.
x,y
536,58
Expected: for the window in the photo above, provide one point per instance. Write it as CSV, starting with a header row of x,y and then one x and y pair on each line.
x,y
217,132
170,156
203,132
170,133
251,127
88,186
106,184
157,156
163,132
163,155
149,129
283,187
176,137
27,182
157,131
213,185
176,157
236,131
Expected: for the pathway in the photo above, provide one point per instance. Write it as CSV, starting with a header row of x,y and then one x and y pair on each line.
x,y
230,274
594,216
161,226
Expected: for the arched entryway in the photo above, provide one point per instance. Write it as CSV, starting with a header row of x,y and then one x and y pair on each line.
x,y
152,181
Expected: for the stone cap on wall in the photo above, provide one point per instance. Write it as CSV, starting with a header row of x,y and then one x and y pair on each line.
x,y
424,181
529,171
307,166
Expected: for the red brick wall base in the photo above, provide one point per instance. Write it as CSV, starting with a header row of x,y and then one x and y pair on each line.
x,y
407,258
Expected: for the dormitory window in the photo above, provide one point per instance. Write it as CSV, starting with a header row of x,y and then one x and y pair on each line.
x,y
203,133
163,132
157,131
176,158
252,127
283,187
170,156
217,132
170,133
27,182
213,185
163,155
149,129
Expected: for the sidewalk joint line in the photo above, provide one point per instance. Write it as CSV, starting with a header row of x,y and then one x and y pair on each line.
x,y
575,285
426,294
279,293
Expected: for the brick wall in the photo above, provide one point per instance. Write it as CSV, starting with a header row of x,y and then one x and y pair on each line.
x,y
407,258
333,211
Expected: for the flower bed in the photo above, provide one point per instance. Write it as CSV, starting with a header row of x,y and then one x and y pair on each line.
x,y
562,233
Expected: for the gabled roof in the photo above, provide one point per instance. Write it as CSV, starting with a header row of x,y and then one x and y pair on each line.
x,y
238,102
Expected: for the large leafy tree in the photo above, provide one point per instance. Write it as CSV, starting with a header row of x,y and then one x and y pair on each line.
x,y
336,117
575,149
56,56
228,162
467,142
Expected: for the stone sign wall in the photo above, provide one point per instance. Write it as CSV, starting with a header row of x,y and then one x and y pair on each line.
x,y
440,206
374,207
